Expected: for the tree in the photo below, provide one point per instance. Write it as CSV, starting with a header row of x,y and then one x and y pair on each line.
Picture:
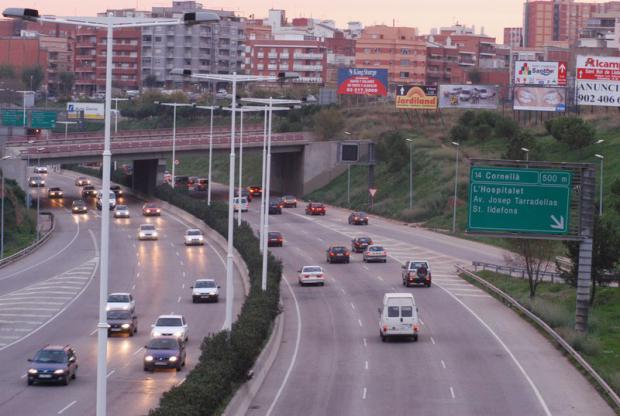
x,y
392,148
521,139
614,195
33,77
328,122
65,83
506,127
7,71
460,133
474,76
150,81
572,131
536,257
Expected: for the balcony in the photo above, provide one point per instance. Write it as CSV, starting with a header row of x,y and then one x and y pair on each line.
x,y
272,67
299,55
298,67
284,56
272,55
308,80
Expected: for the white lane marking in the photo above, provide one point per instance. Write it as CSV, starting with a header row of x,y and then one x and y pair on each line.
x,y
172,244
297,342
138,264
178,253
133,287
110,373
380,278
365,267
183,286
320,239
364,393
542,402
93,333
23,376
365,342
179,299
471,295
61,411
138,274
352,306
366,365
183,274
134,246
138,351
343,291
19,272
452,392
443,364
359,321
433,340
181,263
421,322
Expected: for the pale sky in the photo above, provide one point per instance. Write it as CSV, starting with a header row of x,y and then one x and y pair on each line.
x,y
493,15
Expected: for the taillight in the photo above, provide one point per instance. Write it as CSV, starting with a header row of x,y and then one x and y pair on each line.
x,y
306,275
346,253
415,328
319,275
385,328
331,254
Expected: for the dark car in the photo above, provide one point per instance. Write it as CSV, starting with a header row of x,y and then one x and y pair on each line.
x,y
54,192
122,322
118,192
358,218
82,180
150,209
53,363
274,239
338,254
359,244
164,352
201,184
289,201
315,208
275,206
89,191
244,193
79,207
255,190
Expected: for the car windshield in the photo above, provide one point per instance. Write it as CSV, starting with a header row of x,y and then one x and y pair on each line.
x,y
339,249
317,205
362,214
150,206
205,284
121,207
417,265
194,232
363,240
274,203
169,322
118,298
311,269
147,227
274,235
54,189
115,187
376,248
288,197
119,314
50,356
162,344
78,203
89,187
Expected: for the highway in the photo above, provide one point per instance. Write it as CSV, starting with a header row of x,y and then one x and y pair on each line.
x,y
474,356
51,297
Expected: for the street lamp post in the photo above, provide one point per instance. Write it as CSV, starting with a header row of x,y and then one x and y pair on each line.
x,y
116,100
527,153
456,181
600,203
174,131
211,108
410,173
66,123
109,23
348,178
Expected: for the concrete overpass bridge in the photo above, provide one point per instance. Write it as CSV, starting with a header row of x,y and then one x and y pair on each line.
x,y
300,164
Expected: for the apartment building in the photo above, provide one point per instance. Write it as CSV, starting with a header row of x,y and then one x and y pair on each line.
x,y
204,48
398,49
23,53
513,37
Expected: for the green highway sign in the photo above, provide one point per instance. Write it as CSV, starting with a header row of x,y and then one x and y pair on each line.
x,y
43,120
13,118
519,200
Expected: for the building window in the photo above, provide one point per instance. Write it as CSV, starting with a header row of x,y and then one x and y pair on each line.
x,y
404,75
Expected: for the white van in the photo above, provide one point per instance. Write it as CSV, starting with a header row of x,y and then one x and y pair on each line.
x,y
112,199
399,316
240,204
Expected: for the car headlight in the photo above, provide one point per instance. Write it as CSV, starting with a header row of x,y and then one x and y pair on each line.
x,y
156,334
154,234
59,371
141,234
172,359
32,371
125,326
178,334
148,358
108,307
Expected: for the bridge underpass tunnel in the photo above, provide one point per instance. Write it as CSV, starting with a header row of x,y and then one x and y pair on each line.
x,y
287,173
145,175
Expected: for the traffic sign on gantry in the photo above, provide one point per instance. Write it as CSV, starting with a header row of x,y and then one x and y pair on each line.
x,y
522,200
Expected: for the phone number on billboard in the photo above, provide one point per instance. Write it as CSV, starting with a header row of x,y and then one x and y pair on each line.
x,y
591,98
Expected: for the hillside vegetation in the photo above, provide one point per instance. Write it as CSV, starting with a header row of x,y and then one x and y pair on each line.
x,y
19,224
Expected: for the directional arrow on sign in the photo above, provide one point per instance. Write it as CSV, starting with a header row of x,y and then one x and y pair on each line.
x,y
402,90
557,225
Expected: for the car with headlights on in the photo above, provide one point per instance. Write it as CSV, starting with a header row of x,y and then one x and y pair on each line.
x,y
122,322
417,272
151,209
120,301
205,290
374,252
311,275
315,208
121,211
88,191
164,352
289,201
337,254
79,207
53,364
358,218
245,194
275,207
118,192
194,237
147,232
41,170
255,190
55,192
274,239
240,204
359,244
36,182
82,181
170,326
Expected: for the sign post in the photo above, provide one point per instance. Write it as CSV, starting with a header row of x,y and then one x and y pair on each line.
x,y
372,192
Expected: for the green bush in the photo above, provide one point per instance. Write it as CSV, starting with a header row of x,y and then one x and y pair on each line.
x,y
460,133
328,123
572,131
116,176
226,358
483,132
392,149
506,127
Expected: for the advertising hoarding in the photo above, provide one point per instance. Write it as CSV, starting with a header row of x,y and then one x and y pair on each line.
x,y
468,96
416,97
598,80
540,73
540,98
362,81
87,111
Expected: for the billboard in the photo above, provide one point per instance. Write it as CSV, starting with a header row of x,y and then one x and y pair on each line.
x,y
540,98
468,96
362,81
540,73
598,80
416,97
87,111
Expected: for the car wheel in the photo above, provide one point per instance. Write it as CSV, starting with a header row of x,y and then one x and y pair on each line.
x,y
383,339
322,283
428,284
65,381
74,375
301,284
404,284
179,367
217,298
133,331
194,300
415,338
30,382
109,334
150,370
385,260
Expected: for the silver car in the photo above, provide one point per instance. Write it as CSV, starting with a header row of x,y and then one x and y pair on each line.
x,y
194,236
375,252
121,211
205,290
147,232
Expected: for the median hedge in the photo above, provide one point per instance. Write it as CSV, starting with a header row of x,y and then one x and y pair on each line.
x,y
224,362
116,176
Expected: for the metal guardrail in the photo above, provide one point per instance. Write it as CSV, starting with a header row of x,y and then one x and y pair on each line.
x,y
516,271
504,297
46,236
